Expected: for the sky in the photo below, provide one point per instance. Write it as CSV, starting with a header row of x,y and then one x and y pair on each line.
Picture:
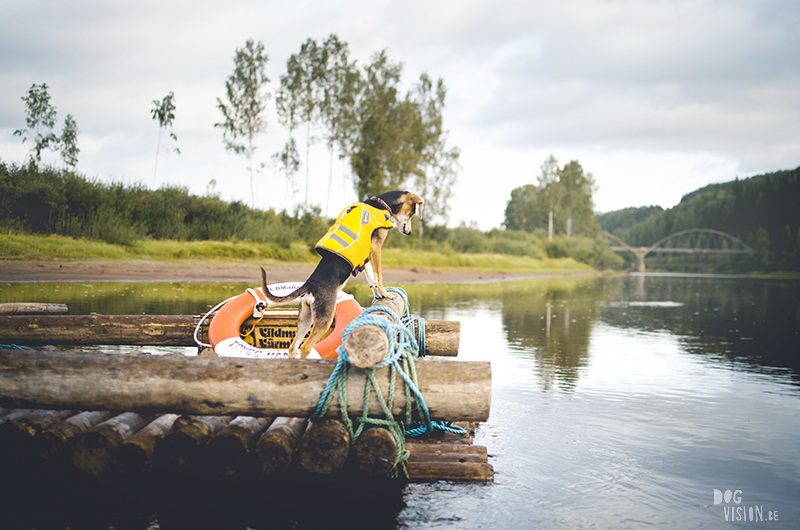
x,y
654,98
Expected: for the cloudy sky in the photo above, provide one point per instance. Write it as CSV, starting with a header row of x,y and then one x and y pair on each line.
x,y
654,98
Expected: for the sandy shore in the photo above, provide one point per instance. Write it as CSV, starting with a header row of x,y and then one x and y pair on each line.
x,y
47,271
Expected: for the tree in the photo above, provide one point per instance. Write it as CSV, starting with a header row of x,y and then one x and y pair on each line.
x,y
243,115
40,119
339,80
162,112
563,198
69,142
547,183
293,103
438,166
289,159
574,195
527,209
303,88
385,152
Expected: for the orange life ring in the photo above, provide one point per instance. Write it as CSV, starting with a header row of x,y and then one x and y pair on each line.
x,y
223,332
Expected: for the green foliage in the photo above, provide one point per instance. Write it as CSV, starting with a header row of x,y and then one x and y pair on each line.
x,y
399,140
69,142
511,243
163,112
593,251
384,155
626,217
527,210
565,193
135,220
573,196
41,119
49,201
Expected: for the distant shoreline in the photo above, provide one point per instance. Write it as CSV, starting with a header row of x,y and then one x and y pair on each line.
x,y
54,271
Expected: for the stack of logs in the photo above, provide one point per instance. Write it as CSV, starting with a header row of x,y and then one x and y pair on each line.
x,y
219,416
104,444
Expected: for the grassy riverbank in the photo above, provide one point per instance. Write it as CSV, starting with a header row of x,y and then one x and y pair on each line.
x,y
15,247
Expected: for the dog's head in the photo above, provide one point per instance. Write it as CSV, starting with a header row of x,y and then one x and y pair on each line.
x,y
403,205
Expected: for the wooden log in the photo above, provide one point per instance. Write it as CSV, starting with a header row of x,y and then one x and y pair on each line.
x,y
274,449
442,336
55,440
418,458
183,449
91,450
226,386
135,455
417,447
375,452
151,330
367,345
231,450
324,447
33,308
454,471
19,429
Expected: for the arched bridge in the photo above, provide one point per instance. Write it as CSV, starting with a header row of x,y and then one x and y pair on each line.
x,y
693,241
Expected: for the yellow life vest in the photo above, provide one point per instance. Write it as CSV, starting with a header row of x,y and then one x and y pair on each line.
x,y
350,236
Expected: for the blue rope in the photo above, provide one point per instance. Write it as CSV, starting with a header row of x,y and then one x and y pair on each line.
x,y
400,341
404,349
13,347
409,320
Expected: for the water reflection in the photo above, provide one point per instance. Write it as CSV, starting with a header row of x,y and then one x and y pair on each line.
x,y
125,298
553,321
753,324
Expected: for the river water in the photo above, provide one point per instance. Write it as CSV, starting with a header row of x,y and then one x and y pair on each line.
x,y
618,402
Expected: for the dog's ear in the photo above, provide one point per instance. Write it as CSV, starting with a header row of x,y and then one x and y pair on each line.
x,y
416,202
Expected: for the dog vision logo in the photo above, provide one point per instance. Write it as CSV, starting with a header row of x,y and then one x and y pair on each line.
x,y
734,510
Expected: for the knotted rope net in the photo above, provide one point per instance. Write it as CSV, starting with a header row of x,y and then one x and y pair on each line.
x,y
403,352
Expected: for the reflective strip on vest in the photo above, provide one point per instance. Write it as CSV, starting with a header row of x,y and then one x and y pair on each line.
x,y
350,236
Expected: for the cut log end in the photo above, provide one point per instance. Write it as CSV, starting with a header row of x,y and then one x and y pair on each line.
x,y
375,453
366,346
324,447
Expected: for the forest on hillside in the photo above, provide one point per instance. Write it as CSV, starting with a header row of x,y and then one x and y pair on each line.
x,y
762,211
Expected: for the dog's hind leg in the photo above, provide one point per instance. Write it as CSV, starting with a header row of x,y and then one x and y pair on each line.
x,y
304,321
324,308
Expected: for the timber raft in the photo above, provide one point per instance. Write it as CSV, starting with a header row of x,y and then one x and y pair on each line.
x,y
151,420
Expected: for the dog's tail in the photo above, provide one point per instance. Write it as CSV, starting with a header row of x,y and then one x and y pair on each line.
x,y
300,291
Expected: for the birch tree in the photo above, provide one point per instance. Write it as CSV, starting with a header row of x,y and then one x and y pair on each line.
x,y
69,142
40,119
163,113
244,112
547,185
437,169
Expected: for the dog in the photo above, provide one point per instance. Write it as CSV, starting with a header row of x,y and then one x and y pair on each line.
x,y
351,245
